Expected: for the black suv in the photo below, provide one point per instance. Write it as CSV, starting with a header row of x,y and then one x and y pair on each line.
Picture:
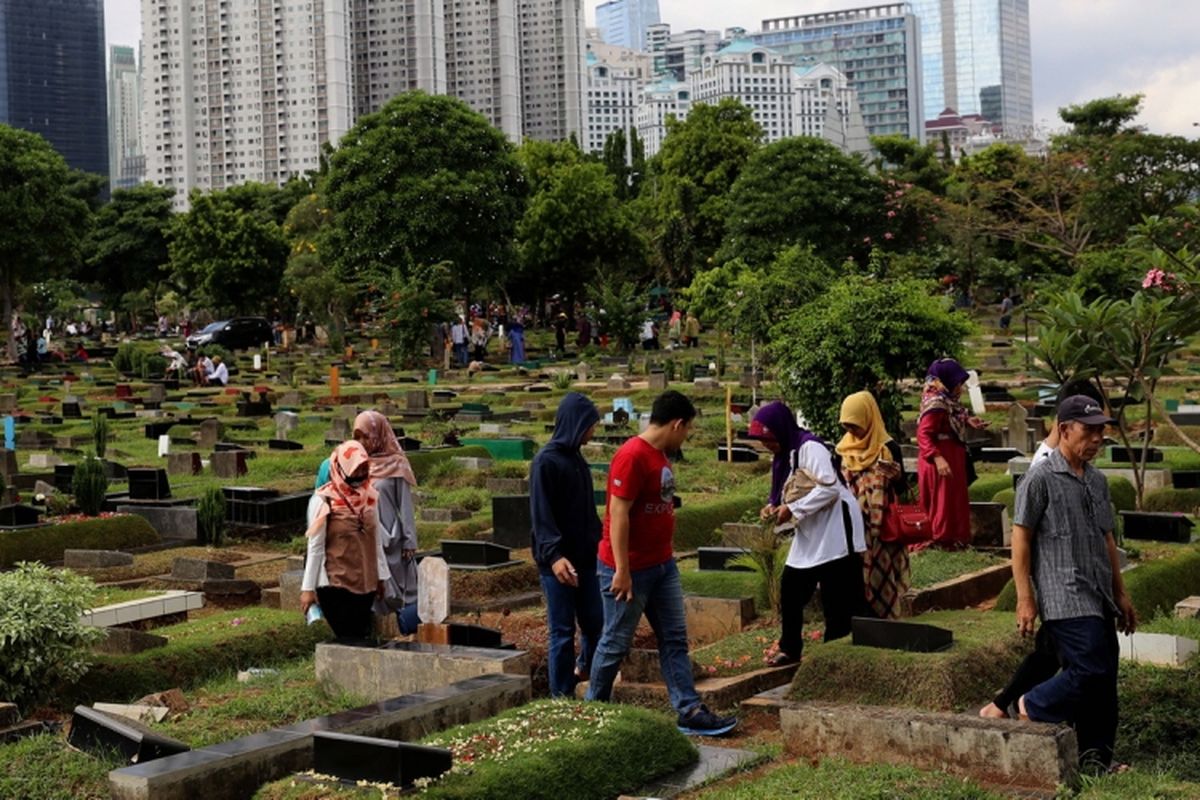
x,y
239,333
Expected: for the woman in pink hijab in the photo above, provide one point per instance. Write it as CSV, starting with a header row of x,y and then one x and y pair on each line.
x,y
393,479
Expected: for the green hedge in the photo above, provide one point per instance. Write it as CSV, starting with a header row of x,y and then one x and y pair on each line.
x,y
985,487
46,543
1154,587
423,460
1122,494
698,525
1183,501
198,651
1009,498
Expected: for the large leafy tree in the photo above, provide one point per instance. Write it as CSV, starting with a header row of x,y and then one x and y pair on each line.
x,y
45,214
692,175
126,249
573,226
228,253
861,334
802,191
316,288
423,181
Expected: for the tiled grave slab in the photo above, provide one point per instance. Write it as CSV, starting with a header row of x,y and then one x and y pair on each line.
x,y
1158,648
171,522
169,602
895,635
402,668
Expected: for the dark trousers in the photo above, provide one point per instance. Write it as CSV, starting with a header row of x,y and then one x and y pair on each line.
x,y
1038,667
1084,693
841,583
566,606
348,613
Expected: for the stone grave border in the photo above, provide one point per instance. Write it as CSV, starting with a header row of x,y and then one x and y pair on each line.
x,y
171,601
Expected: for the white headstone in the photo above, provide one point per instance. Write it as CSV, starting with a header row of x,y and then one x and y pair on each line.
x,y
257,362
433,590
164,446
978,407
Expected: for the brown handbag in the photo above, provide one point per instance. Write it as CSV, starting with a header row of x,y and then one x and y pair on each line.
x,y
800,482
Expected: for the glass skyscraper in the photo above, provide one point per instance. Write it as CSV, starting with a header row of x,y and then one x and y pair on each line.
x,y
975,56
52,77
624,22
876,48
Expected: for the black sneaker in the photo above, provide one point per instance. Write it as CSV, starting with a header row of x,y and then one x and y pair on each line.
x,y
702,722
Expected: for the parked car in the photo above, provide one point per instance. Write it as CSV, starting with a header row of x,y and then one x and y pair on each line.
x,y
238,333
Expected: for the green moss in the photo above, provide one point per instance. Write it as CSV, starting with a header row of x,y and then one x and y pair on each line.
x,y
1183,501
985,487
698,524
986,650
197,651
46,543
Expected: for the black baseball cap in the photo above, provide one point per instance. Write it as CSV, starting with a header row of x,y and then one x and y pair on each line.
x,y
1081,408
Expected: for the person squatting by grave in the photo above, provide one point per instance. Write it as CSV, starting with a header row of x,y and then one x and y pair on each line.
x,y
566,532
345,563
809,494
637,570
393,479
1067,572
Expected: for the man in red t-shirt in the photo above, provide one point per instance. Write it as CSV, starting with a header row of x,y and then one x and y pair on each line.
x,y
636,565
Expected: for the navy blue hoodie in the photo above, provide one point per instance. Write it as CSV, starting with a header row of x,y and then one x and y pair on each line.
x,y
565,522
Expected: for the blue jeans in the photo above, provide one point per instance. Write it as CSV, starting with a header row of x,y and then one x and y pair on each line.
x,y
460,354
658,594
564,606
1084,693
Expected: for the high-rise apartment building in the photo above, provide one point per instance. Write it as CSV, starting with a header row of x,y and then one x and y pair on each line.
x,y
679,54
976,60
826,107
877,48
397,46
656,104
126,162
483,63
52,77
633,61
624,23
553,53
756,76
612,93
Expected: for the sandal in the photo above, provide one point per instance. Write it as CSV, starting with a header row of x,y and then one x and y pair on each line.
x,y
781,659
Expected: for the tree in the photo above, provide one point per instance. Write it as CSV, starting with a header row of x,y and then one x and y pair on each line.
x,y
1106,116
318,289
44,217
861,334
637,163
615,160
695,169
573,226
907,161
126,250
228,253
424,180
408,304
802,191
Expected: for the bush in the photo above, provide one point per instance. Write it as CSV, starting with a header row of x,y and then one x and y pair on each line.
x,y
1182,501
893,328
47,542
1154,587
42,640
1009,498
89,485
699,525
984,489
1122,494
100,434
210,516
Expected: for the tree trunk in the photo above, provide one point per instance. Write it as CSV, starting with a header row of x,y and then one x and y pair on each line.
x,y
8,312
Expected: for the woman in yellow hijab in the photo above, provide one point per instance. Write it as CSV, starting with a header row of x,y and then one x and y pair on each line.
x,y
872,465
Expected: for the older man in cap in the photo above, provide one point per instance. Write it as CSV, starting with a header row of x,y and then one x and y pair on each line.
x,y
1066,571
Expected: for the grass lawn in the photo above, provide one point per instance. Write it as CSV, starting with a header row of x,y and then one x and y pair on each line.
x,y
839,779
932,565
146,565
110,595
743,652
714,583
44,768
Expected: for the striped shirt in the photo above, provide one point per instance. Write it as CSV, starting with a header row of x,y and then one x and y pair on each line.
x,y
1070,517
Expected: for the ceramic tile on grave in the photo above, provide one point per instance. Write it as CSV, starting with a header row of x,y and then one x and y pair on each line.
x,y
473,554
95,732
148,484
897,635
512,521
1156,526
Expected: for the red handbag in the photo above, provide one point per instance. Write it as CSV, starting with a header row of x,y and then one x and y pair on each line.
x,y
904,522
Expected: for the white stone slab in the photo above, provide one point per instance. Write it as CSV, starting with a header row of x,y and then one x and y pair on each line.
x,y
174,601
1162,649
1188,607
164,445
433,590
136,711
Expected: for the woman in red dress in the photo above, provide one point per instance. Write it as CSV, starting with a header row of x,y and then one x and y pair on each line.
x,y
942,469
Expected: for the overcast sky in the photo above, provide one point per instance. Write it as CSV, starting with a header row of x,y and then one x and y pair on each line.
x,y
1082,49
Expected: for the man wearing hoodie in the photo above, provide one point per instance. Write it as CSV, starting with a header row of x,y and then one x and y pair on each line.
x,y
566,532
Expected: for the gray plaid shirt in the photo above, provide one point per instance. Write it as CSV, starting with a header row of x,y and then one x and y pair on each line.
x,y
1069,517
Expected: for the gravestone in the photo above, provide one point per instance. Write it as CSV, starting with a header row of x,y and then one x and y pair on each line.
x,y
893,634
285,423
71,410
228,463
164,445
157,393
717,558
512,521
148,484
465,553
433,590
582,371
416,400
1188,608
95,559
989,525
363,758
18,515
658,381
618,381
1156,526
211,431
8,463
1017,433
183,464
199,569
100,734
339,429
44,461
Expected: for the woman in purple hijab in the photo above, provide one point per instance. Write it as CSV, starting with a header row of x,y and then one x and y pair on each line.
x,y
829,531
